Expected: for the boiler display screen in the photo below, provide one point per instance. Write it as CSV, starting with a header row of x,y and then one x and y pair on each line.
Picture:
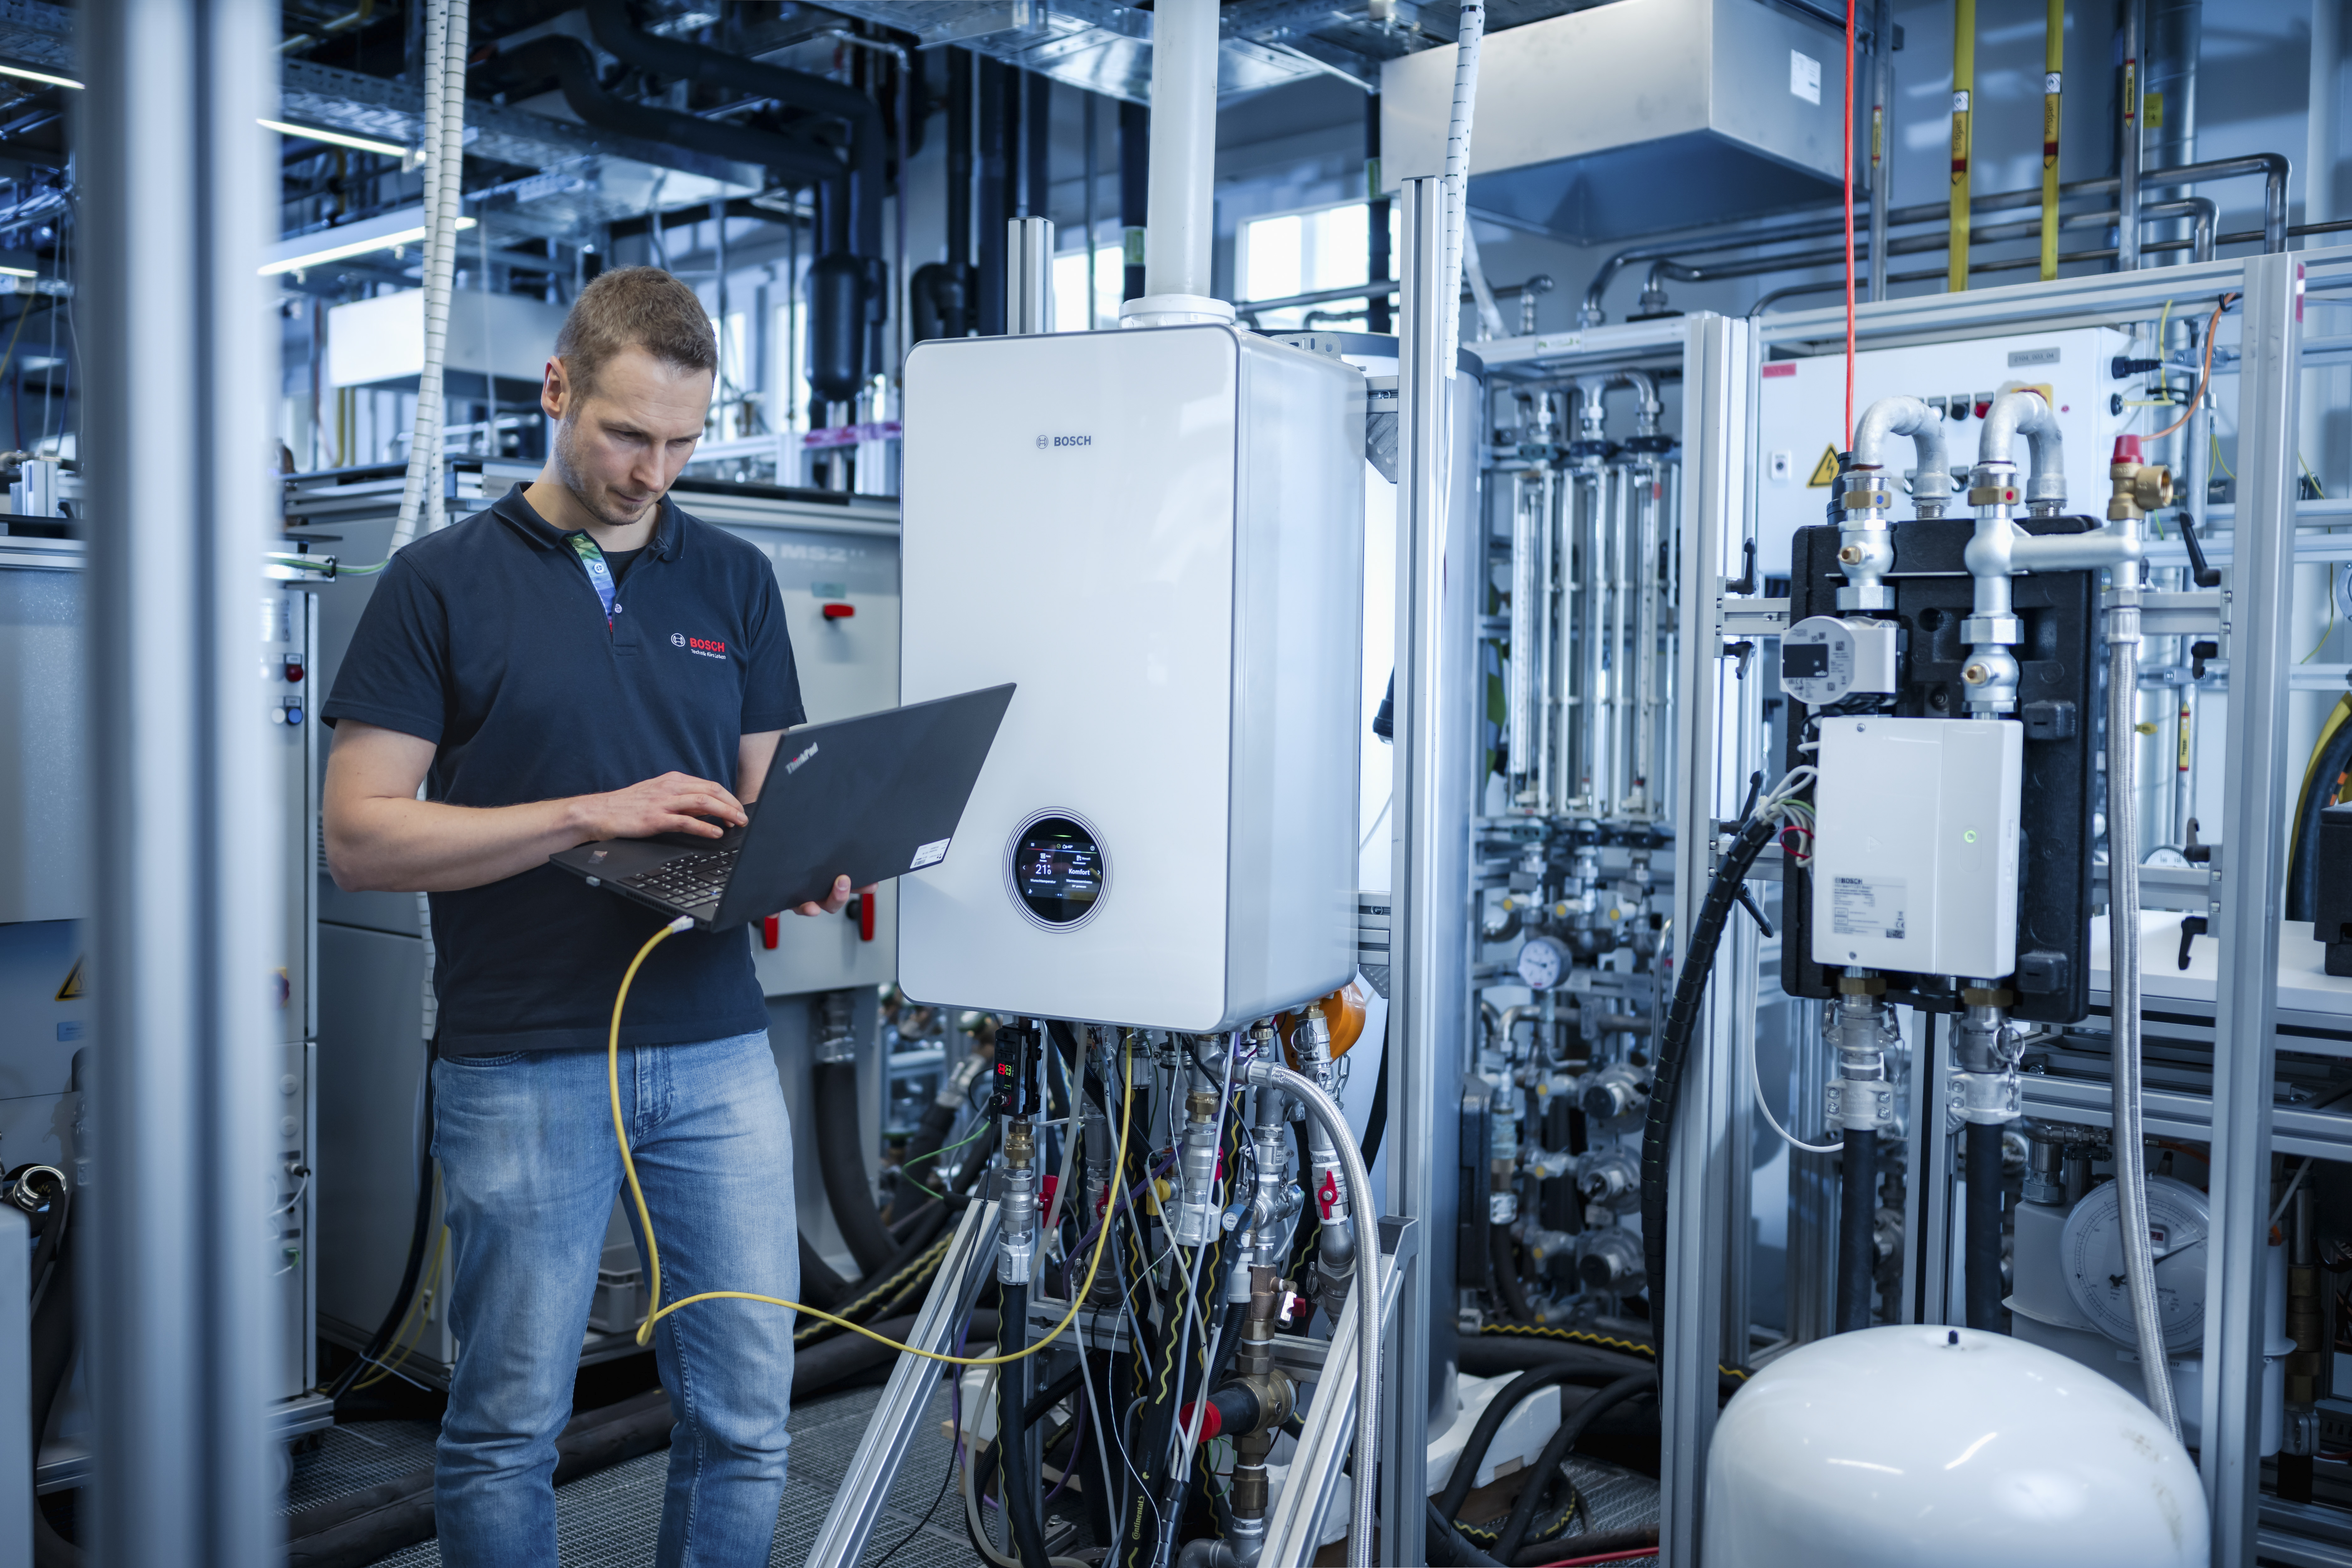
x,y
1058,869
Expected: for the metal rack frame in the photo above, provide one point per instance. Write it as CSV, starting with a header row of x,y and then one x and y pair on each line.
x,y
1721,743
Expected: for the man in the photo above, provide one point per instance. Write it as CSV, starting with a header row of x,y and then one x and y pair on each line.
x,y
585,662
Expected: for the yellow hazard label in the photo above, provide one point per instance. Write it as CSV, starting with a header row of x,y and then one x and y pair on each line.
x,y
71,990
1825,471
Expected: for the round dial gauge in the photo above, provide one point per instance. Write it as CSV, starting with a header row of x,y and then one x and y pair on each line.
x,y
2091,1247
1543,962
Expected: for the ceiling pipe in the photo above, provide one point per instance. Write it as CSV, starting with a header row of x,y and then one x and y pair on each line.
x,y
869,131
1176,239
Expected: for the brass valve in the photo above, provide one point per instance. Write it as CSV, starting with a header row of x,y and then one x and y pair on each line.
x,y
2139,487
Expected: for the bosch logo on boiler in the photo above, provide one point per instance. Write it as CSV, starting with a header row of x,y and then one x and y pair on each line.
x,y
1044,442
703,645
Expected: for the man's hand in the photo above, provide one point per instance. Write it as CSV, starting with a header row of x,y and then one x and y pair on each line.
x,y
835,898
674,803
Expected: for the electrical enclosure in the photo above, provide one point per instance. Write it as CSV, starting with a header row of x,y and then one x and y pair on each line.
x,y
1914,849
1158,535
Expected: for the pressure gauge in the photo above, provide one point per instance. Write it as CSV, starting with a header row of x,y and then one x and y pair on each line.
x,y
1543,962
2091,1247
1825,660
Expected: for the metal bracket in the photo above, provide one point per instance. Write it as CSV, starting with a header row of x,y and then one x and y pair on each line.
x,y
1992,1097
857,1507
1293,1528
1752,617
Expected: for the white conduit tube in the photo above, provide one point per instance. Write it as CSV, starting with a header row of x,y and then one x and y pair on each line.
x,y
446,28
1472,29
1364,1494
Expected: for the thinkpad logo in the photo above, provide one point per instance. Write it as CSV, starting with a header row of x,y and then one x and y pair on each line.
x,y
794,766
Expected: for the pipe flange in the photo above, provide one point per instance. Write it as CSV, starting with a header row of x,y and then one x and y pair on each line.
x,y
1860,1105
2006,630
1865,596
1861,500
1993,495
1861,985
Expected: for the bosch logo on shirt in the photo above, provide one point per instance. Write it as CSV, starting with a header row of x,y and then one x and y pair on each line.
x,y
703,645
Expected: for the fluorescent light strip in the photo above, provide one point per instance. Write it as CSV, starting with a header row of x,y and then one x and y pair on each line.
x,y
345,252
336,138
29,74
18,272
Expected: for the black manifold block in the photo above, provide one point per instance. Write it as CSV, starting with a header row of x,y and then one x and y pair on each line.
x,y
2331,907
2058,683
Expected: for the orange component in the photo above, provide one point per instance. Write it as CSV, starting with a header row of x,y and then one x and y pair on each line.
x,y
1343,1014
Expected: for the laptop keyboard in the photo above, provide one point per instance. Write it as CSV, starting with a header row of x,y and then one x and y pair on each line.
x,y
689,879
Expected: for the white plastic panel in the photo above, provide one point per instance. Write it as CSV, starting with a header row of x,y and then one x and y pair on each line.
x,y
1157,535
1914,850
1800,416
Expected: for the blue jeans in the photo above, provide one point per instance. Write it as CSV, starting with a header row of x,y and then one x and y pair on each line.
x,y
529,1172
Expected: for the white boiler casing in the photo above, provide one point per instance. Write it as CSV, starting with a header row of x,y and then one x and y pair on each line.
x,y
1158,536
1937,1447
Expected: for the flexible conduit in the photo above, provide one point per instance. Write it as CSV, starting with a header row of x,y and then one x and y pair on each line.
x,y
2123,971
1471,31
446,26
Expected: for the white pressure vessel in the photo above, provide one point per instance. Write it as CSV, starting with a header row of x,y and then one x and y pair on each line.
x,y
1935,1447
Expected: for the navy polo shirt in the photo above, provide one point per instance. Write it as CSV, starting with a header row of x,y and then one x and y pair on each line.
x,y
488,640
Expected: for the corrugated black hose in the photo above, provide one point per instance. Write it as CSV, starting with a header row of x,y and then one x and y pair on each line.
x,y
1523,1512
1673,1043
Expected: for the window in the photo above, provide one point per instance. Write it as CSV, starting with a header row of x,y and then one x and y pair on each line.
x,y
1070,289
1298,253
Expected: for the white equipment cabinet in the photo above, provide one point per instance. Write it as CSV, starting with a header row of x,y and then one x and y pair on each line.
x,y
1157,535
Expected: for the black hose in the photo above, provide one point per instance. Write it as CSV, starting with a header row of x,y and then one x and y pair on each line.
x,y
841,1159
1523,1512
984,1474
2302,847
1445,1547
1857,1252
412,1272
1012,1429
1673,1046
1516,1393
1377,1122
1507,1273
51,1349
1983,1225
820,1286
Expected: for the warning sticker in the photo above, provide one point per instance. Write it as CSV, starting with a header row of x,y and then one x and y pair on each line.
x,y
1867,907
1825,471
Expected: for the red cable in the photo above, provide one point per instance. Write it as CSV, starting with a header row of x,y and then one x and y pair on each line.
x,y
1605,1557
1848,223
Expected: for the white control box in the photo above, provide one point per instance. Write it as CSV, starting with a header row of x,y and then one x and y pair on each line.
x,y
1158,536
1914,844
1800,418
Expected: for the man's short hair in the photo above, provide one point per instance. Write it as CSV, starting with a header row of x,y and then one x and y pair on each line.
x,y
634,307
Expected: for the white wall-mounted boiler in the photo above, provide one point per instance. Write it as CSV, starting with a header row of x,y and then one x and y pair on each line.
x,y
1157,534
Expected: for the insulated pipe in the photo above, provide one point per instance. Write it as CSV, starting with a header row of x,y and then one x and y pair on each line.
x,y
1377,262
1183,163
1323,1109
993,206
1012,1433
1964,81
1134,192
2027,414
1982,1226
1881,167
2053,64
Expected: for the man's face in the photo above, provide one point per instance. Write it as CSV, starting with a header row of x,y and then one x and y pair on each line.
x,y
619,447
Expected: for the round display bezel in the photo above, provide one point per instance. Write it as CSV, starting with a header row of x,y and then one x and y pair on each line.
x,y
1013,876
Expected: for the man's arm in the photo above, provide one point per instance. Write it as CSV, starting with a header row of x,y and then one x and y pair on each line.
x,y
381,838
753,757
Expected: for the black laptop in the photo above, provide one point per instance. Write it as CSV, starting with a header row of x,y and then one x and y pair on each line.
x,y
871,797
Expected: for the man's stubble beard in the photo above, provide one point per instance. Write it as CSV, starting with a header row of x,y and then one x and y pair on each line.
x,y
584,489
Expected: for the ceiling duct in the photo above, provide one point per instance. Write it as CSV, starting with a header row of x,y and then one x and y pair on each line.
x,y
1684,112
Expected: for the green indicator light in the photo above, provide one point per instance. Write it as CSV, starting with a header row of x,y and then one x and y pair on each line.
x,y
1969,835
